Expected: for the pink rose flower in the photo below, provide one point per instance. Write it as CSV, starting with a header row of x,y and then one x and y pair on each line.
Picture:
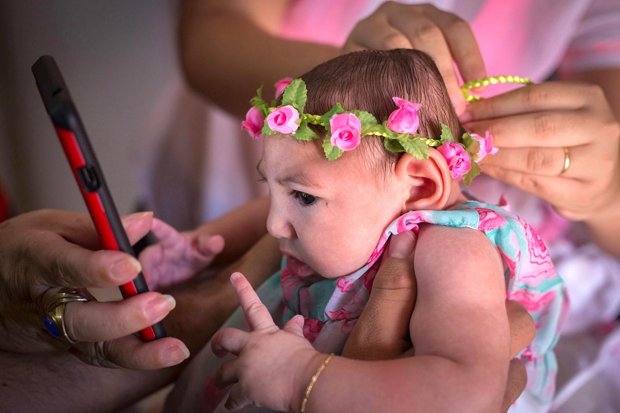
x,y
281,84
486,145
405,118
459,161
253,122
284,120
346,128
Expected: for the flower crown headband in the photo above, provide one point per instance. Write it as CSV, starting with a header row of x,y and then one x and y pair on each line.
x,y
344,129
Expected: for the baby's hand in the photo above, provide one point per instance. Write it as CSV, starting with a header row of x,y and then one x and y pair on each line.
x,y
177,256
273,366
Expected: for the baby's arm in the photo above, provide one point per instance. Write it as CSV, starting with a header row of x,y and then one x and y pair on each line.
x,y
458,366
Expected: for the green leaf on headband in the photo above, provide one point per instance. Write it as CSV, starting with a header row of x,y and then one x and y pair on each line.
x,y
393,145
331,152
259,103
334,110
295,94
367,120
415,147
304,133
267,130
473,172
446,134
471,145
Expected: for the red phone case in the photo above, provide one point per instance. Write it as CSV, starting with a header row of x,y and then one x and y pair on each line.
x,y
87,173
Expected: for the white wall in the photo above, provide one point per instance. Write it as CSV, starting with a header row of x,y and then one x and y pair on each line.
x,y
116,57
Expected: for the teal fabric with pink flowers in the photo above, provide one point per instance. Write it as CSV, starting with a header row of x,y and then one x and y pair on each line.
x,y
331,307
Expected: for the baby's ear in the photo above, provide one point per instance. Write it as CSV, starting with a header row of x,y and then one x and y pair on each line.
x,y
428,180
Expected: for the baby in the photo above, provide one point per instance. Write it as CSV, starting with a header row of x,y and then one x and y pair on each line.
x,y
358,149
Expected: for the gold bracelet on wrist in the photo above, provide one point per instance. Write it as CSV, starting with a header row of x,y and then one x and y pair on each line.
x,y
313,381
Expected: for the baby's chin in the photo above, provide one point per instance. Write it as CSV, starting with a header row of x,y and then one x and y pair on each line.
x,y
325,271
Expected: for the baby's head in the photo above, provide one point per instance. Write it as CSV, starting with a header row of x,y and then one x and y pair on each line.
x,y
330,214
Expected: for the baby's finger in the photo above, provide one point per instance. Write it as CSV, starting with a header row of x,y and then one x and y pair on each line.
x,y
295,325
226,374
167,236
229,340
208,245
255,311
236,399
102,321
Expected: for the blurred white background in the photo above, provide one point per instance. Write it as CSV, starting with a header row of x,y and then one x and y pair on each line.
x,y
116,57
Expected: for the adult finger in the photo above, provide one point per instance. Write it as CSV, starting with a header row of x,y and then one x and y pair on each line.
x,y
517,380
229,340
137,225
532,98
522,327
102,321
70,265
132,353
382,331
255,311
552,128
425,35
556,191
461,42
541,161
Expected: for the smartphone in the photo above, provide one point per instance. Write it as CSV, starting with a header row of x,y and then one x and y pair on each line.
x,y
87,173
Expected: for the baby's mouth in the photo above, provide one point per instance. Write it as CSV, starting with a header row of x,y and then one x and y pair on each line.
x,y
298,267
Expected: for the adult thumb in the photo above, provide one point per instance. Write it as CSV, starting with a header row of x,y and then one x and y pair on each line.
x,y
382,331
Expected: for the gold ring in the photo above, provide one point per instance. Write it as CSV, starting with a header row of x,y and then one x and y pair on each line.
x,y
566,160
54,303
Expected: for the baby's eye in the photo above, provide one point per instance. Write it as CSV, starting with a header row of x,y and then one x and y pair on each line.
x,y
303,198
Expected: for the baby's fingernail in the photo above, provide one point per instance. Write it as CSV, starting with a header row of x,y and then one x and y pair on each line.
x,y
402,245
175,355
125,268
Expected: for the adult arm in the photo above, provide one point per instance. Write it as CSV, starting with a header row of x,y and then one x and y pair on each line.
x,y
229,48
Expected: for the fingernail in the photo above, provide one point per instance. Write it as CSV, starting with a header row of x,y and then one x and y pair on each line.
x,y
138,216
125,268
160,306
175,355
466,116
402,245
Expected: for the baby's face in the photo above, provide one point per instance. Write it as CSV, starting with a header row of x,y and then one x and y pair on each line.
x,y
327,214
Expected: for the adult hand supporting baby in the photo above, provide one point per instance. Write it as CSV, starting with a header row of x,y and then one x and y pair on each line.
x,y
382,331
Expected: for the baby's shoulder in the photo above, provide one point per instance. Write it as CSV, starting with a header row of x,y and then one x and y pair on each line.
x,y
442,249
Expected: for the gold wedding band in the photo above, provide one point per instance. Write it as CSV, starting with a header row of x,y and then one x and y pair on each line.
x,y
566,160
54,303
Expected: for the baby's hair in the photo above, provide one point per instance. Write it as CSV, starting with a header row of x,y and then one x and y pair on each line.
x,y
367,80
